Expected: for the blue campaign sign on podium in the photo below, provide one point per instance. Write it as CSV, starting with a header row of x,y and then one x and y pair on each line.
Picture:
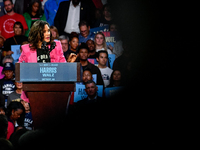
x,y
81,94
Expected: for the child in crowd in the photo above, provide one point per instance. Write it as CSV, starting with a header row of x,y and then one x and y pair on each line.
x,y
105,71
7,83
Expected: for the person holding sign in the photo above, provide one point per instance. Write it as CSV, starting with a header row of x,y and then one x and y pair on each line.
x,y
100,43
91,90
42,47
17,39
87,75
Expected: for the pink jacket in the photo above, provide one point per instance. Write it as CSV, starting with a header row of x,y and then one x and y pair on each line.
x,y
30,56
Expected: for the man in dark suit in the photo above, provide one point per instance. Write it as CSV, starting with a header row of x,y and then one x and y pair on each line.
x,y
91,90
69,14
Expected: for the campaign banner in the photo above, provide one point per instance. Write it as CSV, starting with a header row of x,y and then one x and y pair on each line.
x,y
111,91
111,38
16,50
81,94
99,29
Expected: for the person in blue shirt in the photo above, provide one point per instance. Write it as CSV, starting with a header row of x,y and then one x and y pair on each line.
x,y
50,10
85,33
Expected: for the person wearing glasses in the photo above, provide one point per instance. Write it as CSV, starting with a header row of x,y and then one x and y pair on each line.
x,y
85,33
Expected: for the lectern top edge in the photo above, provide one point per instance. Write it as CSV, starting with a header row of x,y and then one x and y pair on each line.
x,y
48,72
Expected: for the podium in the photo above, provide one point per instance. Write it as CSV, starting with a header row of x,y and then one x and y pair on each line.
x,y
48,86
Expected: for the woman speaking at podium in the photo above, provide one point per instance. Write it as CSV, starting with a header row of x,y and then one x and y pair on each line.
x,y
42,48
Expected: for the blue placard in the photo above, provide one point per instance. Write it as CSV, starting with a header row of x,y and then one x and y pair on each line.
x,y
81,94
111,38
99,29
111,91
16,50
111,59
94,76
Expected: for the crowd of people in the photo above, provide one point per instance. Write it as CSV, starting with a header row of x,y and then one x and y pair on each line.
x,y
152,32
67,23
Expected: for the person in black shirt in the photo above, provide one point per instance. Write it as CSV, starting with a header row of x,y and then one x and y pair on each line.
x,y
17,39
106,19
92,51
43,55
82,57
91,90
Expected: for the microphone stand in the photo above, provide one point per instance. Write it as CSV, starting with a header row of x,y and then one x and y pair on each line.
x,y
45,47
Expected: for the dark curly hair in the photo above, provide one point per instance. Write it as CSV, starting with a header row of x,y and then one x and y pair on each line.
x,y
40,10
36,34
15,106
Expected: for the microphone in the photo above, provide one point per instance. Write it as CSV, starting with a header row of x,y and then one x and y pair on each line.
x,y
44,45
53,45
